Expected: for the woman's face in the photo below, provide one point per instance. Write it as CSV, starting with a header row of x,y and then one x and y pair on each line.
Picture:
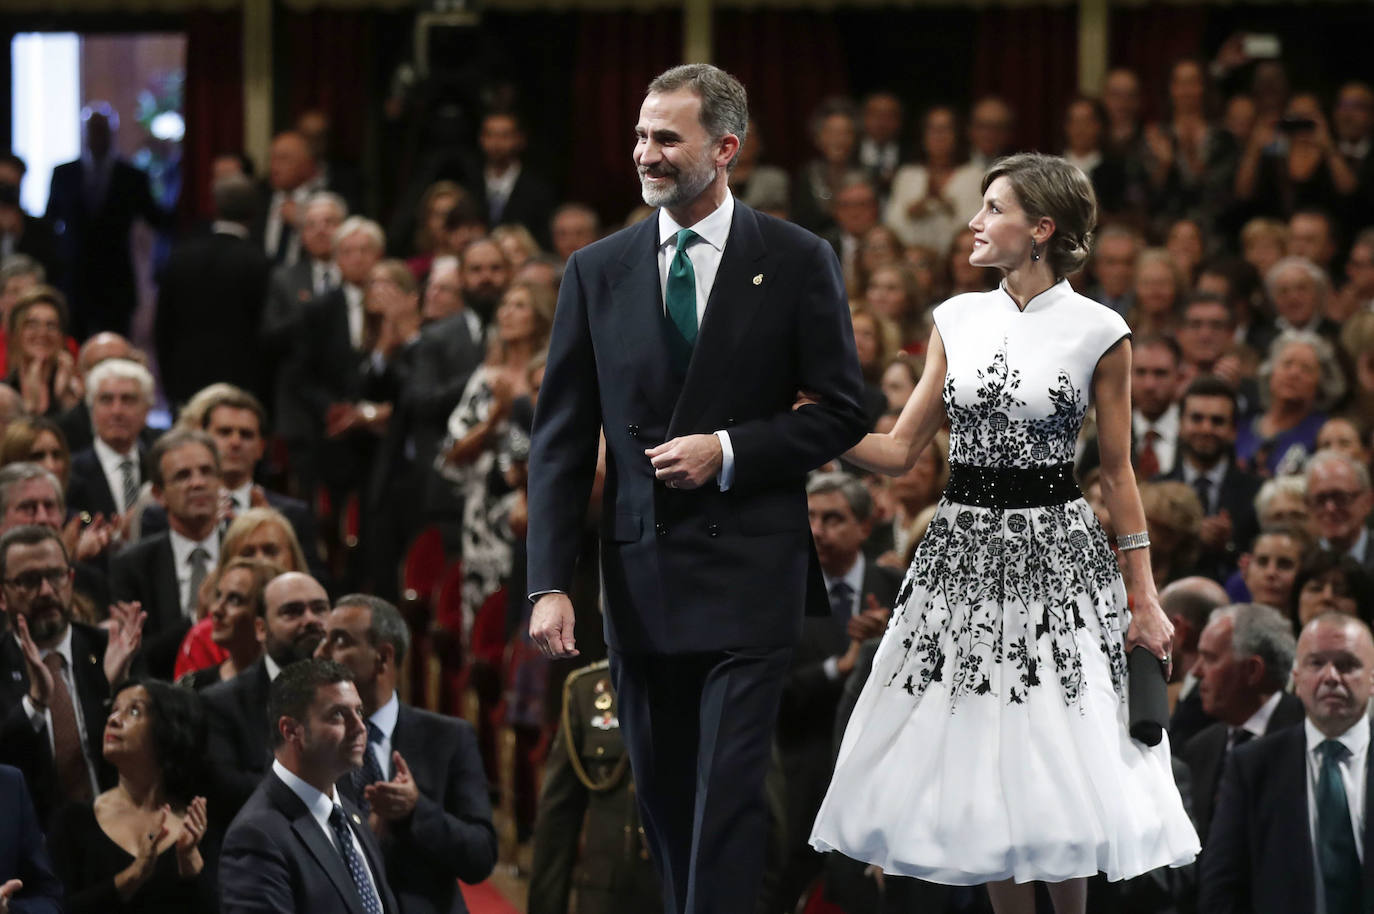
x,y
1262,251
384,297
129,727
1286,509
1297,375
269,542
1184,245
887,296
836,138
515,252
48,453
40,332
1001,230
897,385
1339,435
1325,593
939,135
439,208
866,339
1082,129
1186,87
1155,289
515,316
233,610
880,248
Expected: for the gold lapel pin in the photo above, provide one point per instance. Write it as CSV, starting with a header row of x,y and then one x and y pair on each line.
x,y
758,280
356,820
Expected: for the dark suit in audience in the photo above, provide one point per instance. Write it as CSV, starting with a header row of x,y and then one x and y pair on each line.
x,y
277,859
329,371
297,512
237,739
23,853
30,750
209,307
146,572
89,489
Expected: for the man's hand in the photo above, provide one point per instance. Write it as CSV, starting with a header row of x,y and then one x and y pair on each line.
x,y
845,664
126,634
551,625
688,462
871,622
1215,531
393,800
40,677
8,891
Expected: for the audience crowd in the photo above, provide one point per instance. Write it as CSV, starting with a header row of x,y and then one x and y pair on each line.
x,y
238,622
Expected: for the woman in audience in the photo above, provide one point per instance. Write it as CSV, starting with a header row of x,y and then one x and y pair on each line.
x,y
1330,582
1293,163
37,440
41,368
900,377
893,294
517,244
236,618
879,247
431,240
914,491
1263,243
1187,246
1297,383
1189,160
1342,433
259,533
1158,294
1173,517
835,133
138,847
1357,344
919,209
1282,502
478,427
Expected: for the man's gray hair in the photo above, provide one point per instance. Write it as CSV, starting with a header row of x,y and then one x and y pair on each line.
x,y
1264,632
724,103
13,474
1332,456
388,626
358,225
1330,388
21,265
118,369
855,493
327,198
1309,269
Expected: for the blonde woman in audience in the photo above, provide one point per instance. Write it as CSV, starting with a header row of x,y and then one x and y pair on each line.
x,y
516,243
1264,242
37,440
1173,516
41,368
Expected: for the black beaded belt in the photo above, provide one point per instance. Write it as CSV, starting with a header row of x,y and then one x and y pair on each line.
x,y
1011,487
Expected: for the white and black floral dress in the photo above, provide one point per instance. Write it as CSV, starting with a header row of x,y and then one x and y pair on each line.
x,y
990,741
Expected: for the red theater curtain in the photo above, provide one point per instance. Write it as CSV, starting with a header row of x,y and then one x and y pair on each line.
x,y
1030,58
1149,40
214,102
329,66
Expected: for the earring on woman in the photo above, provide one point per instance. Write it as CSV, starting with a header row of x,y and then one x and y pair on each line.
x,y
1035,252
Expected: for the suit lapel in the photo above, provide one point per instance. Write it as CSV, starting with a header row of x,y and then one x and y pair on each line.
x,y
308,830
1368,830
735,298
168,589
637,300
1290,800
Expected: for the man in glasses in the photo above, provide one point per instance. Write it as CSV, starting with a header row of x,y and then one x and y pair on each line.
x,y
56,675
294,610
1339,498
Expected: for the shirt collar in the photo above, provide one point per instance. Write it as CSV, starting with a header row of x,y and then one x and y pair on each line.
x,y
183,546
1358,550
1214,475
271,666
1259,721
224,227
714,229
243,495
1356,739
319,804
111,458
384,718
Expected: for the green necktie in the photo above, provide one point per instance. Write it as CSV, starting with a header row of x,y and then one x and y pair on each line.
x,y
1340,863
681,293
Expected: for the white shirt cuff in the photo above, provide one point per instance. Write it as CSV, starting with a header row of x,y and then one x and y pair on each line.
x,y
726,477
831,667
36,717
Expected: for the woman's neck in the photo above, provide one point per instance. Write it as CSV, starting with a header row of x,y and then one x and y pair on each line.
x,y
1029,280
1284,414
517,354
143,790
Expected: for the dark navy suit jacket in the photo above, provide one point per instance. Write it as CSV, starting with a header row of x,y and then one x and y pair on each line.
x,y
696,570
23,853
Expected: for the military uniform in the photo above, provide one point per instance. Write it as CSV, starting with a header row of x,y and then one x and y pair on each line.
x,y
589,794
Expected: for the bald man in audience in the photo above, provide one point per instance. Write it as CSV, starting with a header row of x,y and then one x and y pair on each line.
x,y
1188,602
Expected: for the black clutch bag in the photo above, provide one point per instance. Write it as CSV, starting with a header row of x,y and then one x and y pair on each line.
x,y
1148,696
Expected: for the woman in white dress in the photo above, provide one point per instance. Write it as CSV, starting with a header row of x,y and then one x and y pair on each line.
x,y
990,743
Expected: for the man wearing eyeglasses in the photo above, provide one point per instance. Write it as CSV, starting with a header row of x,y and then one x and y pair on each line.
x,y
56,674
1339,498
294,610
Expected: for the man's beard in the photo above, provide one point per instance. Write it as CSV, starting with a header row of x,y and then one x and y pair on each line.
x,y
685,186
483,300
46,627
302,647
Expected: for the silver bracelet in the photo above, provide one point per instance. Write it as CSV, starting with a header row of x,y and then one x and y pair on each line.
x,y
1128,541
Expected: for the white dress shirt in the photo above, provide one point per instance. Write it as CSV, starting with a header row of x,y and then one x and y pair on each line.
x,y
324,276
272,229
110,459
353,300
713,232
1258,724
1356,740
499,187
384,719
41,719
182,547
320,806
1166,427
854,577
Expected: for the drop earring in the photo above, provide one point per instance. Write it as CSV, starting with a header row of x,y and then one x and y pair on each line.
x,y
1035,252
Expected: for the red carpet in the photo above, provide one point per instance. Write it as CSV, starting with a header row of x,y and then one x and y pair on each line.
x,y
484,899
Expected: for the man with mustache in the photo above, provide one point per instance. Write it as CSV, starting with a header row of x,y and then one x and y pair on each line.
x,y
687,337
56,675
1292,826
294,608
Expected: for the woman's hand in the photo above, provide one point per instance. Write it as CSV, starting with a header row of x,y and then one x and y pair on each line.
x,y
33,386
133,877
65,383
189,861
1152,629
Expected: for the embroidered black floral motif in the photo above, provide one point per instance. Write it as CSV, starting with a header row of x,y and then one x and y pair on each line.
x,y
996,601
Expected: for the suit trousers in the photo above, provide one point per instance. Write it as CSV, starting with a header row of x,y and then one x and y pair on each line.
x,y
699,731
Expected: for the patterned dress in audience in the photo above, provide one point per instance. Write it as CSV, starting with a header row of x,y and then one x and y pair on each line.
x,y
990,740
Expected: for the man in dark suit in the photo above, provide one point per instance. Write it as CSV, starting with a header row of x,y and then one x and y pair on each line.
x,y
55,674
293,175
164,572
707,560
294,608
92,205
28,884
297,846
421,782
76,422
1206,438
1341,502
234,419
1244,657
1284,838
209,302
856,211
509,193
1188,602
861,597
106,477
